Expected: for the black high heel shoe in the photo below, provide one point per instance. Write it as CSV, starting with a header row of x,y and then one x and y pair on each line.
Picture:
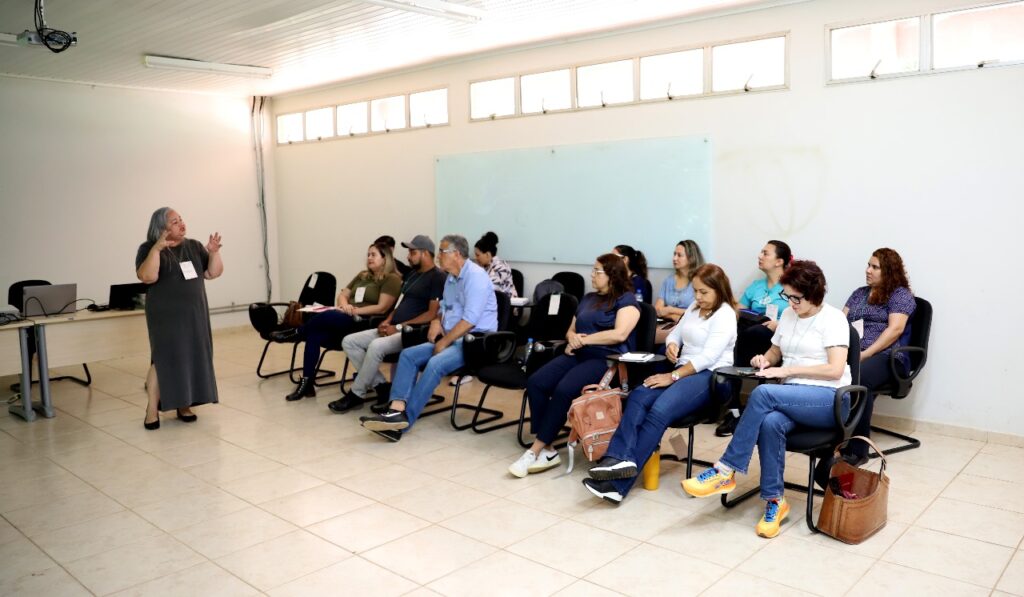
x,y
187,418
154,425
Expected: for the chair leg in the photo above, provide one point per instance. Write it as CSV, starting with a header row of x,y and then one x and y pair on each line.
x,y
263,357
690,460
810,495
320,373
910,443
492,414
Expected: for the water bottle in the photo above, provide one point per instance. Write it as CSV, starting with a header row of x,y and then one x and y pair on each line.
x,y
529,350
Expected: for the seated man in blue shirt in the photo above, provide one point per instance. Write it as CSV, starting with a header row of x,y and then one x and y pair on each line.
x,y
468,305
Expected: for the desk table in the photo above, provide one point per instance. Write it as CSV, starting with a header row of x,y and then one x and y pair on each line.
x,y
16,360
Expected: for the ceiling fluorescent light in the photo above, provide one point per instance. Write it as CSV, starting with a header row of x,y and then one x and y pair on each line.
x,y
220,68
434,8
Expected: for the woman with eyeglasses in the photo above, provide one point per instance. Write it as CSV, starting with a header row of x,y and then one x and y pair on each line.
x,y
604,324
808,355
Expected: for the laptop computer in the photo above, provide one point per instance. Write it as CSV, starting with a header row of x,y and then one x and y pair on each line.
x,y
122,296
49,300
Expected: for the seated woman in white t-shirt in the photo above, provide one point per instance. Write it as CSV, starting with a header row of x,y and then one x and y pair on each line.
x,y
701,342
808,353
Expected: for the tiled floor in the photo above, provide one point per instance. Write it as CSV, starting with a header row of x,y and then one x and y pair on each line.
x,y
267,497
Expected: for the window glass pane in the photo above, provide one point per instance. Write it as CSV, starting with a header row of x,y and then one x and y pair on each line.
x,y
428,107
675,74
545,91
603,84
885,48
387,113
753,64
289,128
319,124
492,98
352,118
968,37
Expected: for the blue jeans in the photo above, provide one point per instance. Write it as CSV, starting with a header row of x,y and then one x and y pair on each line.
x,y
649,412
416,392
552,388
773,411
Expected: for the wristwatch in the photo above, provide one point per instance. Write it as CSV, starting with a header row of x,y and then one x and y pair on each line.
x,y
675,376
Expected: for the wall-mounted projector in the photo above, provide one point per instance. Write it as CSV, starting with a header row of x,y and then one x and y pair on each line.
x,y
32,38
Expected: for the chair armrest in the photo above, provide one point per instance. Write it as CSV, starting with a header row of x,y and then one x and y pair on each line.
x,y
895,368
264,317
489,348
413,335
558,346
858,395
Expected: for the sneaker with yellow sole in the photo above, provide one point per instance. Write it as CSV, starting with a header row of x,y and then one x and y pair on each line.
x,y
774,514
710,482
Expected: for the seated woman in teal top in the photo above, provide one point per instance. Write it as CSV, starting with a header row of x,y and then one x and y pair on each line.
x,y
764,296
677,290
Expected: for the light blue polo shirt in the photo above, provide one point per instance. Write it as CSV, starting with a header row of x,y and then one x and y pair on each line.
x,y
470,297
758,296
681,298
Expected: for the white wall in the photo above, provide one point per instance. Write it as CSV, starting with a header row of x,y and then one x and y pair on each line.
x,y
82,168
928,165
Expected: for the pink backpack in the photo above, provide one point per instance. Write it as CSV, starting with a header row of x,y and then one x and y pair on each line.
x,y
595,415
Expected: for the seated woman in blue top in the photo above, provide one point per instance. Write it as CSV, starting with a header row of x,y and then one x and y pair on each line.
x,y
808,355
677,289
702,342
764,297
884,306
636,269
604,324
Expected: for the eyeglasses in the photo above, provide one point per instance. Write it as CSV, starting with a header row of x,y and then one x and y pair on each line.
x,y
452,250
596,271
796,300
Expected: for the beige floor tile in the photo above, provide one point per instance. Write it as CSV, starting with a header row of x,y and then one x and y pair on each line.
x,y
803,565
975,562
263,487
503,574
132,564
385,483
941,452
585,588
233,467
494,479
22,558
906,507
190,508
411,446
281,560
200,451
634,518
873,547
741,583
890,579
341,465
136,491
733,543
501,523
1001,527
221,536
52,582
16,470
356,575
315,505
449,551
24,493
61,512
1012,580
8,532
366,528
95,536
125,414
641,572
449,461
1006,464
198,581
440,500
558,547
560,496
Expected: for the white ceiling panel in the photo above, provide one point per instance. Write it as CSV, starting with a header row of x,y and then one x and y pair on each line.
x,y
306,42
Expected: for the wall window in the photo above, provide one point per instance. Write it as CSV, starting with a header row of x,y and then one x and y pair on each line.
x,y
319,124
604,84
428,108
353,119
387,114
749,65
672,75
876,49
544,92
491,99
980,35
289,128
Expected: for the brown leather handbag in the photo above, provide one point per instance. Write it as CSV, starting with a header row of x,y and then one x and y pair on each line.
x,y
292,316
856,499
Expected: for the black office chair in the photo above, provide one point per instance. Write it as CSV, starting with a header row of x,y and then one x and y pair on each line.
x,y
818,443
573,283
518,281
917,351
15,297
503,371
266,318
648,290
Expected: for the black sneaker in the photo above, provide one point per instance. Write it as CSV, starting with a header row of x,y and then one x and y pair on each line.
x,y
604,490
346,403
383,392
391,436
727,426
381,407
391,420
609,468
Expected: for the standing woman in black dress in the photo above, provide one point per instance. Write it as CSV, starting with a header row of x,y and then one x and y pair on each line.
x,y
178,316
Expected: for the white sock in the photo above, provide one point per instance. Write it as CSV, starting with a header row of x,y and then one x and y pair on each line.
x,y
723,468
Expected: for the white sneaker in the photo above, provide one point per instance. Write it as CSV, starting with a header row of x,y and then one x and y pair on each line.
x,y
545,460
521,467
460,381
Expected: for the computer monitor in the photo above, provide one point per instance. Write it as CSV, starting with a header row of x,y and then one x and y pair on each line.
x,y
49,300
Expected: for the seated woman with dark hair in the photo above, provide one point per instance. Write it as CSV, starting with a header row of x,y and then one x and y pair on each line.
x,y
884,306
372,292
636,267
400,267
808,354
604,324
702,342
677,290
486,256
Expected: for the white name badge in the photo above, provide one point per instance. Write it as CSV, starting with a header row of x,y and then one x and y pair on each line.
x,y
360,293
859,326
312,280
556,302
772,311
188,270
